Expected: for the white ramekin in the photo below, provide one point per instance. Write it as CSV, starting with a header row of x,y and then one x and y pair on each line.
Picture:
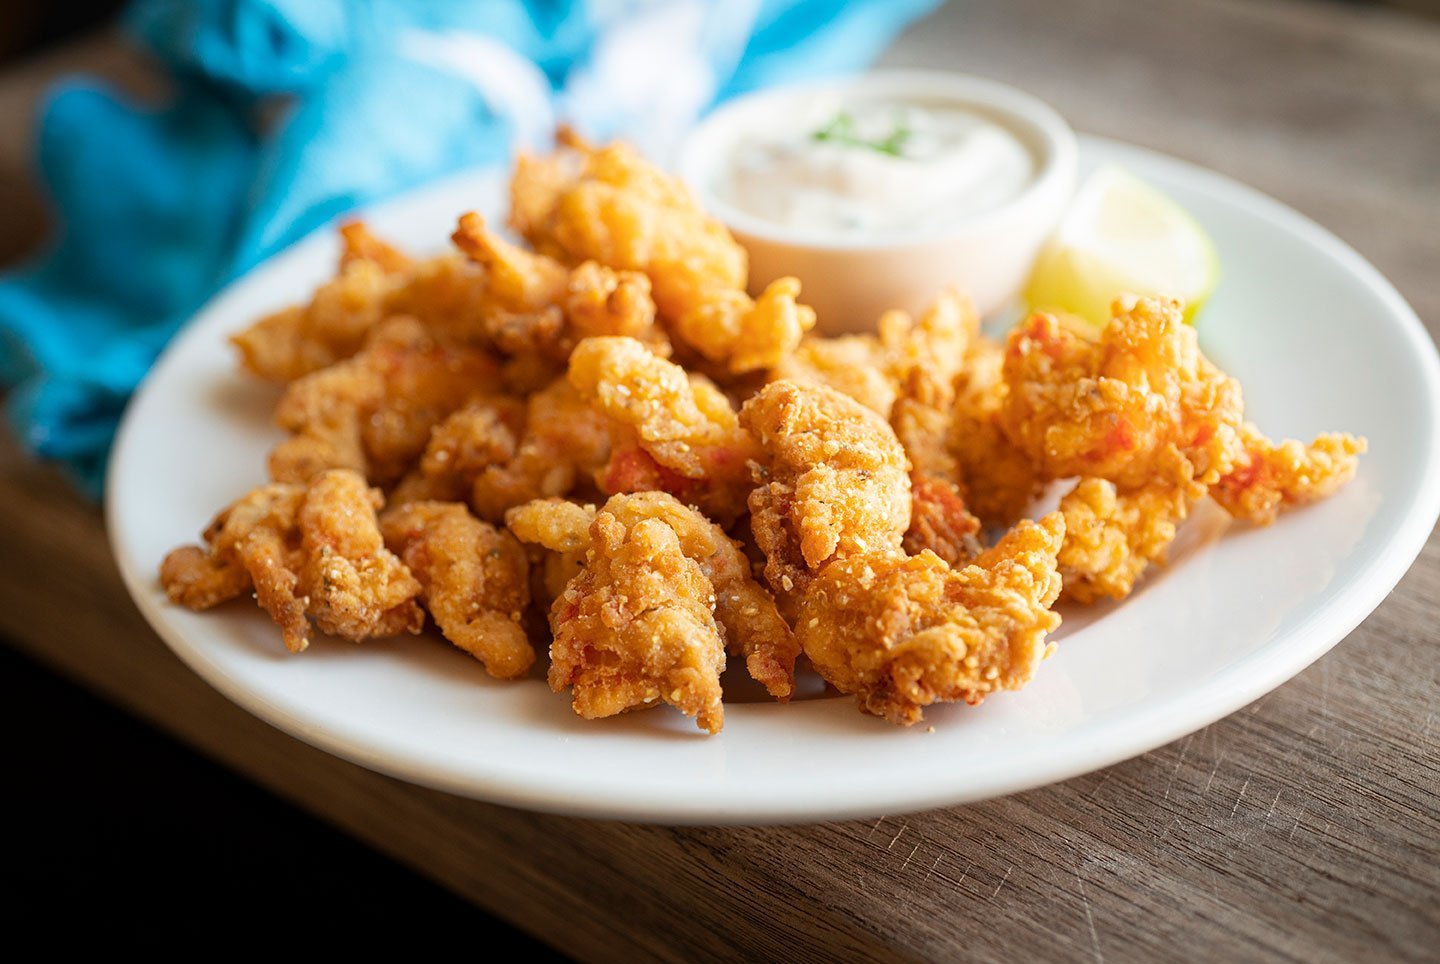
x,y
850,281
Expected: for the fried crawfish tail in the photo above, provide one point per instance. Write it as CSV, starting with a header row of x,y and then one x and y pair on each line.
x,y
635,628
374,412
1112,537
359,243
741,334
670,431
541,307
1272,477
562,444
852,365
354,586
902,633
310,552
940,521
250,544
832,481
746,611
474,580
606,204
998,479
558,534
332,326
926,358
1110,407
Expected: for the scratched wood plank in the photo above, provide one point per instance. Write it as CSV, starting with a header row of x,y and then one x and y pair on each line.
x,y
1304,827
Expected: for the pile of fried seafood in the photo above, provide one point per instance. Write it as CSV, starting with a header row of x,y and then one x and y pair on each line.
x,y
601,446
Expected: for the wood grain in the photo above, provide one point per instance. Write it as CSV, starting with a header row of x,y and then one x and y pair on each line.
x,y
1304,827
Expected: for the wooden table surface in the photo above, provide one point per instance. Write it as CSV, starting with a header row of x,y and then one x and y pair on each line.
x,y
1304,826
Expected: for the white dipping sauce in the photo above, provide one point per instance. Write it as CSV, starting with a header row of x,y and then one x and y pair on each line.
x,y
876,166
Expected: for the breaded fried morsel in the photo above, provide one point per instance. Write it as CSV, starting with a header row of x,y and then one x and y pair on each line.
x,y
606,204
742,334
301,339
925,358
852,365
906,372
374,413
746,612
311,552
901,633
1112,536
1271,477
579,424
541,307
1113,406
474,580
636,626
563,444
484,433
670,431
875,369
999,481
1138,406
1142,407
447,294
832,481
558,533
359,243
940,521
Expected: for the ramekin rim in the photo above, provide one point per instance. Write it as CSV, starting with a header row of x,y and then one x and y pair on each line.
x,y
1056,168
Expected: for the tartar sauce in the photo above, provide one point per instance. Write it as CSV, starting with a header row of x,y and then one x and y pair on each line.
x,y
878,166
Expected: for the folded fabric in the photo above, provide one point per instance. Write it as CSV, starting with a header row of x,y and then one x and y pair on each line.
x,y
287,113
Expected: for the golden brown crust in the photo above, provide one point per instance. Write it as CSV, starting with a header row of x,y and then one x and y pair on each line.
x,y
670,430
1112,536
1151,425
449,294
1271,477
534,382
940,521
563,444
744,610
833,481
741,334
359,243
374,412
474,580
635,628
607,205
354,587
540,308
558,534
901,633
301,339
926,357
311,552
1112,407
998,480
850,364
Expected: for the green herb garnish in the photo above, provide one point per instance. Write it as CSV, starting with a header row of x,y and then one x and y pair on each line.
x,y
841,130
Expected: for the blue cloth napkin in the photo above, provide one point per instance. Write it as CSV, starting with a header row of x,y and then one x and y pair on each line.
x,y
286,113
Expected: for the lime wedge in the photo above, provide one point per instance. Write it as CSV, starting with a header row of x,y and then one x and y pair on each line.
x,y
1122,235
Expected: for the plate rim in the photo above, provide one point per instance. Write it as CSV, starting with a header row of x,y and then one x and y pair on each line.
x,y
1145,729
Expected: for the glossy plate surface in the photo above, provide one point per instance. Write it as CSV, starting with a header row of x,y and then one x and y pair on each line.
x,y
1318,338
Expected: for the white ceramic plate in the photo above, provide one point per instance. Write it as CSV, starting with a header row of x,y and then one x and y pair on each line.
x,y
1319,339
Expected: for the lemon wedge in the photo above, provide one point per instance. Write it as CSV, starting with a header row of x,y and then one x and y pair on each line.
x,y
1122,235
